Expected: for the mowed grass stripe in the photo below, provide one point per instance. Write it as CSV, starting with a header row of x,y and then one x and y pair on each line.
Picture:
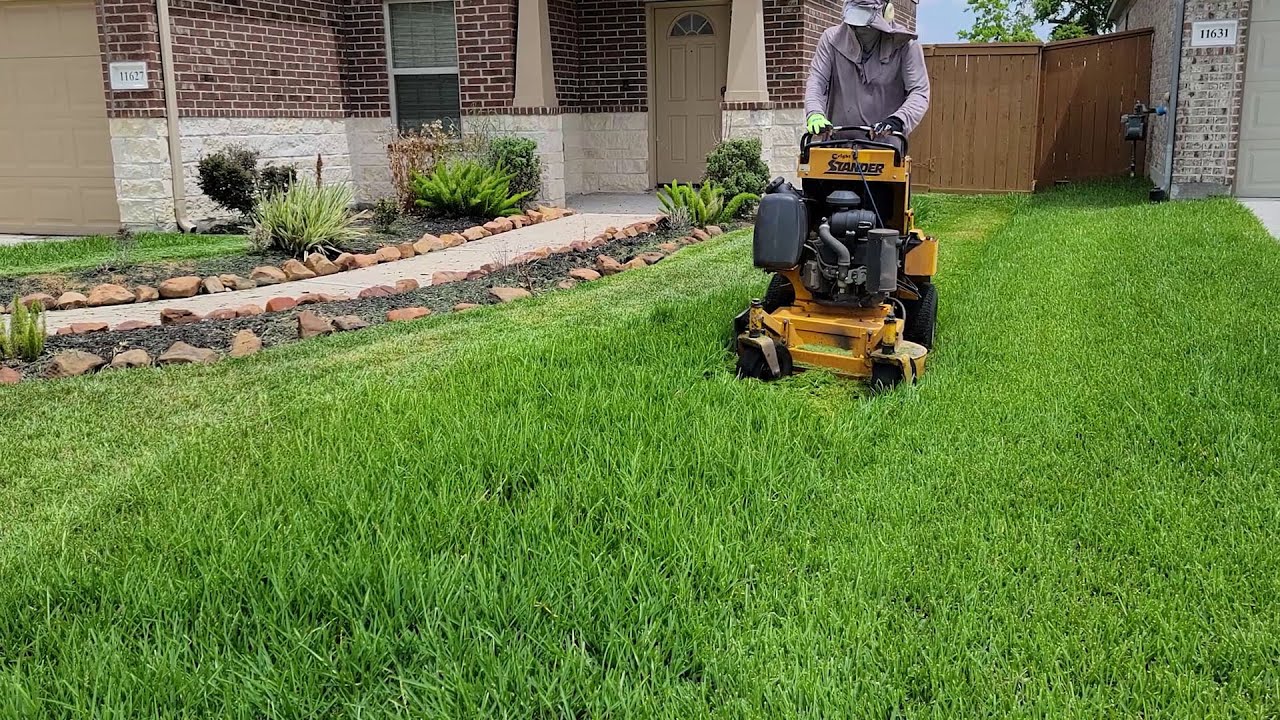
x,y
56,256
568,507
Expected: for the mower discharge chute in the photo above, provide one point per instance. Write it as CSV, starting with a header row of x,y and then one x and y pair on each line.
x,y
852,288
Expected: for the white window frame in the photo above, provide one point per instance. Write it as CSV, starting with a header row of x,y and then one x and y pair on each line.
x,y
393,71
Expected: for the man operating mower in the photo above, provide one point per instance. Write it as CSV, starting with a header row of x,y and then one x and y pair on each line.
x,y
867,71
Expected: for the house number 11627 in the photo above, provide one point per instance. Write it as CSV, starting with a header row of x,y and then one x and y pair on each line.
x,y
128,76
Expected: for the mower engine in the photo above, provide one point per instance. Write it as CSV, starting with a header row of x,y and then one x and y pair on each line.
x,y
846,261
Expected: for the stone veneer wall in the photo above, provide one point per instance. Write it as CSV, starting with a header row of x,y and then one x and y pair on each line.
x,y
615,152
546,130
281,141
140,147
354,152
778,129
367,139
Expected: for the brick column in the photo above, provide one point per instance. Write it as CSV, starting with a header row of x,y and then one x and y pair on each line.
x,y
747,82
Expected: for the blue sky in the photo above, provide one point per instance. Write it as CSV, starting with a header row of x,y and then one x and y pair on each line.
x,y
937,21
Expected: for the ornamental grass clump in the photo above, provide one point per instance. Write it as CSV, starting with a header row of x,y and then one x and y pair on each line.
x,y
305,218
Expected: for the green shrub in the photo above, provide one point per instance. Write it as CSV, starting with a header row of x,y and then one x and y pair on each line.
x,y
518,156
466,189
229,177
25,334
703,205
306,217
386,213
736,166
275,179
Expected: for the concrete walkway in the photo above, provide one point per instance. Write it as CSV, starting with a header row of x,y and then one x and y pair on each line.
x,y
499,248
11,240
616,203
1267,210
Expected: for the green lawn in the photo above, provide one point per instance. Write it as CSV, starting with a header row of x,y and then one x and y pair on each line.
x,y
569,508
91,252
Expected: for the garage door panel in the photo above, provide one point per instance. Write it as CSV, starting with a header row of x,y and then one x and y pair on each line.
x,y
47,29
1264,52
56,167
93,153
1258,174
1260,114
57,206
1263,10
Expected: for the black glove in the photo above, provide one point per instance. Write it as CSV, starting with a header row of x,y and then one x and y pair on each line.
x,y
886,126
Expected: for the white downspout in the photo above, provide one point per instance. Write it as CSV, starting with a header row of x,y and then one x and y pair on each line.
x,y
171,115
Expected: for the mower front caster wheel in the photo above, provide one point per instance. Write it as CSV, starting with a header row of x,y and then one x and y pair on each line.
x,y
753,361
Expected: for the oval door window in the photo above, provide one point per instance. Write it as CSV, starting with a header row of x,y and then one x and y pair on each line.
x,y
692,24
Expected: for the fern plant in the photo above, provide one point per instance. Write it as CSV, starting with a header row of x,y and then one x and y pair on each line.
x,y
704,205
24,336
306,217
467,189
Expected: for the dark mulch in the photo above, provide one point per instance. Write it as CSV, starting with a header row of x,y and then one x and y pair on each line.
x,y
280,328
408,229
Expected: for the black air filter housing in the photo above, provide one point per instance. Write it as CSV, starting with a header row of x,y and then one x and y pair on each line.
x,y
782,224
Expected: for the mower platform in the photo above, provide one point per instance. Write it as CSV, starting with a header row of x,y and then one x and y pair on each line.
x,y
861,343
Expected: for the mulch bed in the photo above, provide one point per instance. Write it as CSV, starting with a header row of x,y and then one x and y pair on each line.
x,y
280,328
409,228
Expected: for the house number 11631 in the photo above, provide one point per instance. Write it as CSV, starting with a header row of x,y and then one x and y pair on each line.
x,y
1214,33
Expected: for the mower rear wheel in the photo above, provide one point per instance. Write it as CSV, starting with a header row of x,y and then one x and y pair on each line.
x,y
922,316
752,364
781,293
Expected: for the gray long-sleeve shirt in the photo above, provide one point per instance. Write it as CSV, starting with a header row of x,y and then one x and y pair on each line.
x,y
893,81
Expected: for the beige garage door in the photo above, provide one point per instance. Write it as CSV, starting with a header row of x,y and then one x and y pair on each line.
x,y
55,149
1258,174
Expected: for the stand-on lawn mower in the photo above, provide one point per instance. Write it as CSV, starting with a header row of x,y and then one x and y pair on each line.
x,y
852,288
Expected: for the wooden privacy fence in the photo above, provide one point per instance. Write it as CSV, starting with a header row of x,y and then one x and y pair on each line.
x,y
1011,117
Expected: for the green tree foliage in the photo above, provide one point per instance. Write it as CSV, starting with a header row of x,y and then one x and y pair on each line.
x,y
1014,20
1072,18
999,21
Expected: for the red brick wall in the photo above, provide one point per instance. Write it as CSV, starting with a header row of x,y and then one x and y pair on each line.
x,y
904,13
786,52
486,53
612,75
261,59
564,49
127,30
364,57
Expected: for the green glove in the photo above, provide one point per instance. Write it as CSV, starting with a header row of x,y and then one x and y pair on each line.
x,y
817,123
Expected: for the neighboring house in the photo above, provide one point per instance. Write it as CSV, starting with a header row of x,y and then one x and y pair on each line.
x,y
1228,98
619,94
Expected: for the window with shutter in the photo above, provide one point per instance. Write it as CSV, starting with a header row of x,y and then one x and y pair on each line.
x,y
422,42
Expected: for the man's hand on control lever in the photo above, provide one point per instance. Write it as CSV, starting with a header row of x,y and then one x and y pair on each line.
x,y
886,126
817,123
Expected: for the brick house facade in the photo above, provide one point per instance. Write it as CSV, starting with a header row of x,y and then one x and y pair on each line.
x,y
1226,141
297,78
